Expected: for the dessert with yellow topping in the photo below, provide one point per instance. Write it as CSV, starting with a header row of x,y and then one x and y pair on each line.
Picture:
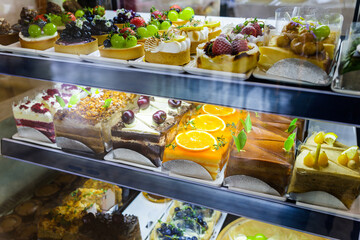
x,y
205,138
229,55
324,164
168,49
90,121
214,29
196,32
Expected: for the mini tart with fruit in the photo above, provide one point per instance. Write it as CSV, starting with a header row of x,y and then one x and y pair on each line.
x,y
168,49
119,47
309,41
197,33
101,28
76,39
214,29
124,17
225,54
179,17
39,36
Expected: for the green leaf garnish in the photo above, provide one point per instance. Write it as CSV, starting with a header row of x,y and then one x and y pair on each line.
x,y
198,107
289,142
84,89
107,103
60,101
247,123
74,99
256,114
292,126
240,140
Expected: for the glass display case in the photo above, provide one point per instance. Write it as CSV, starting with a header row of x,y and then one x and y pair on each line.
x,y
225,122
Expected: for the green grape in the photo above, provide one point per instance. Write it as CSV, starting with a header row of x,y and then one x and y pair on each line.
x,y
143,32
131,41
55,19
49,29
173,15
187,13
260,236
322,31
34,31
117,41
152,29
79,13
156,23
250,238
165,25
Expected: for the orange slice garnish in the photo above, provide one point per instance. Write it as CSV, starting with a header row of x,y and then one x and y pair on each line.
x,y
195,140
209,123
218,110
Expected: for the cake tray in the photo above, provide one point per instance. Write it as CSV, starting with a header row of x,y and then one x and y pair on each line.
x,y
132,158
178,168
17,49
140,63
50,53
46,144
96,58
193,69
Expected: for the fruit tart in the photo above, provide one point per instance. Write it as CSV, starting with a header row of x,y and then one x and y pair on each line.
x,y
226,54
300,39
159,19
76,39
178,16
124,17
168,49
197,33
125,47
39,35
8,35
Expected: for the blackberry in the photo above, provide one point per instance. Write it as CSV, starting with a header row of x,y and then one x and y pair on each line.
x,y
124,16
24,31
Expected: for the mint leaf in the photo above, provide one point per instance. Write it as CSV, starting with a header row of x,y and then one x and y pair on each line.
x,y
256,114
74,99
247,123
107,103
198,107
289,142
60,101
240,140
84,89
292,126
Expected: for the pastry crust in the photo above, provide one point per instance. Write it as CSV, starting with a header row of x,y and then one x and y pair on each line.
x,y
241,63
179,59
120,25
100,38
7,39
77,49
39,45
123,53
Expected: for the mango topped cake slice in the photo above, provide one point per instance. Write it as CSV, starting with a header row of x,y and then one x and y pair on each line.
x,y
329,167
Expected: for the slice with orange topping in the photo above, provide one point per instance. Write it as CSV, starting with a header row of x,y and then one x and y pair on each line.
x,y
209,123
217,110
195,140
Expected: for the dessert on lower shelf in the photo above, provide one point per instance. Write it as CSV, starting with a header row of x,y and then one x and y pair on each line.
x,y
226,54
151,128
247,229
8,35
186,221
196,32
8,225
89,122
326,165
205,140
168,49
76,39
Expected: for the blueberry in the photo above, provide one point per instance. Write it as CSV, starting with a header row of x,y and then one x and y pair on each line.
x,y
179,215
163,225
159,230
168,232
177,209
194,238
107,43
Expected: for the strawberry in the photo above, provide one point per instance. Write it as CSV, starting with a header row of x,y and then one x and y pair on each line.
x,y
176,8
249,30
257,27
138,22
221,46
239,46
125,32
156,14
42,17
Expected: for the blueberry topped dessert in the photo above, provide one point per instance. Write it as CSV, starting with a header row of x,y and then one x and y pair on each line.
x,y
124,16
76,38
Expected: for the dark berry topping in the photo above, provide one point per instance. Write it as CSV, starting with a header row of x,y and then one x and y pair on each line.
x,y
107,43
124,16
23,107
52,92
159,117
174,103
74,34
144,96
68,87
143,103
39,108
128,117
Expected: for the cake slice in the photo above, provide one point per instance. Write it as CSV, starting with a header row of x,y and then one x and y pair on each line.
x,y
339,176
139,132
90,121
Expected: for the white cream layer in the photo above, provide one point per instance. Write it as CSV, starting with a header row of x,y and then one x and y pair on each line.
x,y
173,47
28,114
31,39
140,127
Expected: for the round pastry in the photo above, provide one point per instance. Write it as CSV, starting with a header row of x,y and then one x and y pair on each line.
x,y
239,56
39,36
9,223
26,231
47,191
173,50
27,209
